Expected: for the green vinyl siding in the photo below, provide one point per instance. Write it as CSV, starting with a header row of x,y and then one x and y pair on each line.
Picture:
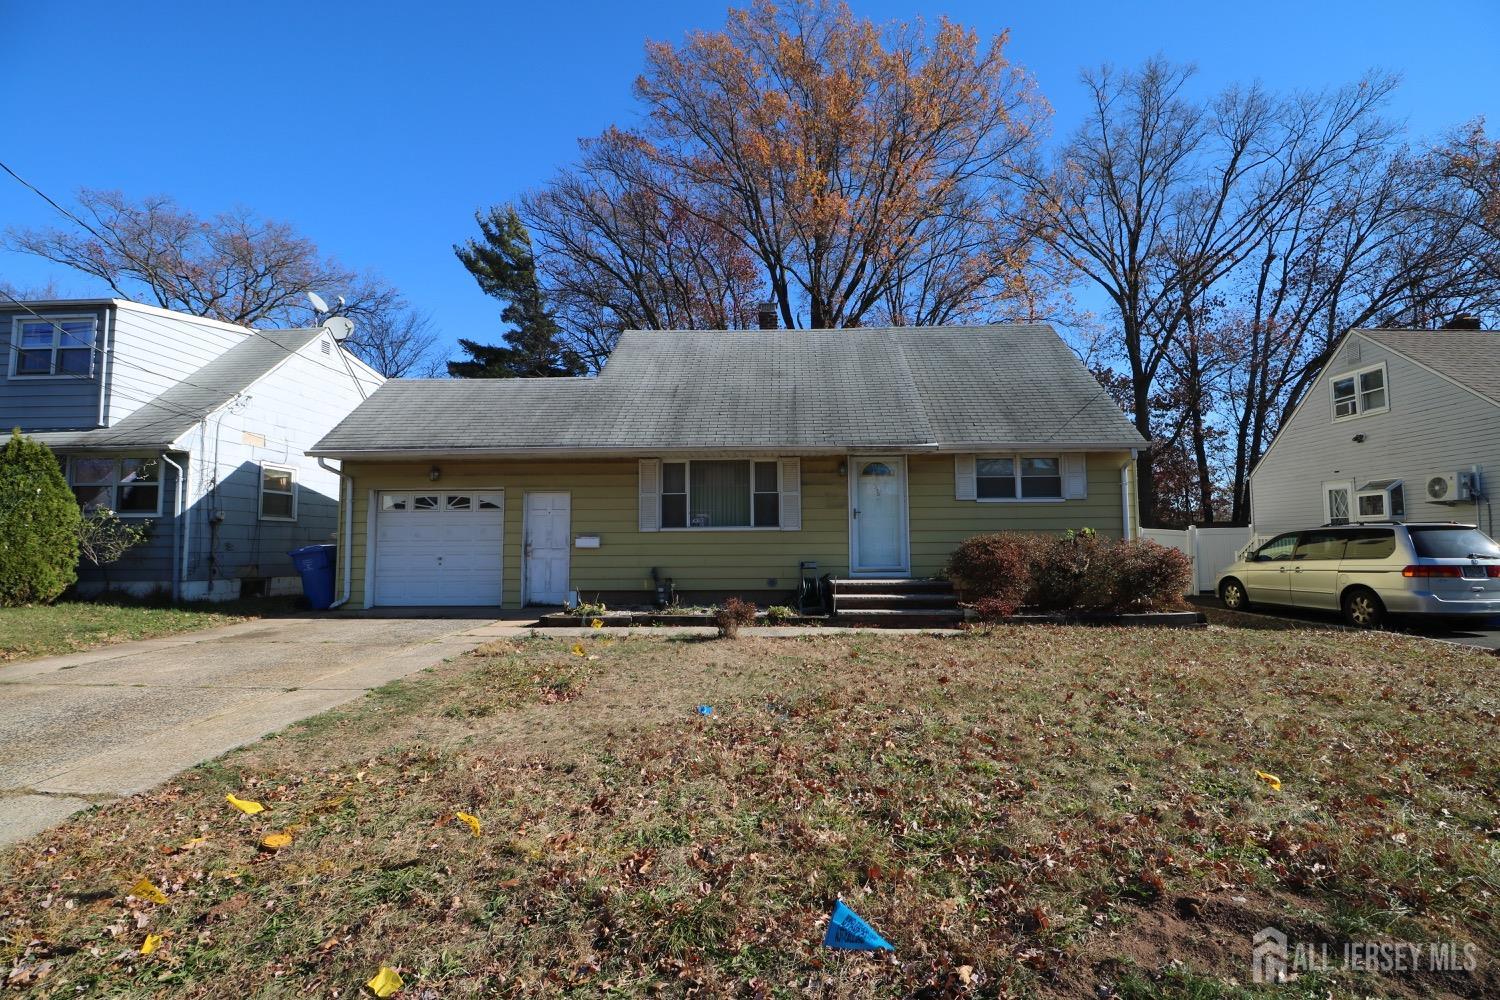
x,y
604,503
939,523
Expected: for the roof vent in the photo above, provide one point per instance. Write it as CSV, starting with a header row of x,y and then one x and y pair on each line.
x,y
327,349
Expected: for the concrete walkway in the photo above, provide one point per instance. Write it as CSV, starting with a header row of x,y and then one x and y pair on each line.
x,y
90,727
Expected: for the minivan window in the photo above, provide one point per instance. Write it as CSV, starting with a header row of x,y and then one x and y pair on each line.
x,y
1453,543
1277,549
1371,543
1321,545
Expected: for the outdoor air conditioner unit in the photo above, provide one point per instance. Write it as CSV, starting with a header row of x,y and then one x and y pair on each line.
x,y
1450,487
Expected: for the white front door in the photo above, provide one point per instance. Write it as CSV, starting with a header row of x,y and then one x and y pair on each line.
x,y
548,520
877,539
438,547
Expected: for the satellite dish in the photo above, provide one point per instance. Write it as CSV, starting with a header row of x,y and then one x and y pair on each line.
x,y
319,306
340,328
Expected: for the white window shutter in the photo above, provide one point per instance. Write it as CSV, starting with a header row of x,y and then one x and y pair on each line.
x,y
1075,476
650,495
791,494
963,478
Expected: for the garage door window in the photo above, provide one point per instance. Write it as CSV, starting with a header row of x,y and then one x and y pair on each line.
x,y
489,501
425,502
395,501
460,503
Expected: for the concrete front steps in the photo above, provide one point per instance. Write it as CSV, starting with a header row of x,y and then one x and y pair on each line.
x,y
894,603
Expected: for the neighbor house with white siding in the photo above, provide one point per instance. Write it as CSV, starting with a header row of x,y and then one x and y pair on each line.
x,y
1401,425
197,427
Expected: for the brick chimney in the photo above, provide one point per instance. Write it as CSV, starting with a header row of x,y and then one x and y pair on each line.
x,y
765,314
1463,321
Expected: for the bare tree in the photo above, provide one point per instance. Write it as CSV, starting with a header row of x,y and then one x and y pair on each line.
x,y
234,267
1157,198
398,342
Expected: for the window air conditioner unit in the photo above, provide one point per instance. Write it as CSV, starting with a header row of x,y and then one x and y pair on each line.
x,y
1450,487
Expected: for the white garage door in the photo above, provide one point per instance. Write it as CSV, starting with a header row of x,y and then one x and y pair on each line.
x,y
439,548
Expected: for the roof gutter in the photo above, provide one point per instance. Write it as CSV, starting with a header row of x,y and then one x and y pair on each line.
x,y
932,447
347,502
181,526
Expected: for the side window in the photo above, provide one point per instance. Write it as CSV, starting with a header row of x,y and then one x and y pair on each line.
x,y
1372,543
1321,545
1278,549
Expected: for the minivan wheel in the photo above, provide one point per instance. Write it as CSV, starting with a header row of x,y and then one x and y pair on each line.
x,y
1232,593
1362,609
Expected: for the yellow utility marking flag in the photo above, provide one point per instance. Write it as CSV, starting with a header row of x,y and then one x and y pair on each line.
x,y
245,806
578,649
152,942
596,623
386,982
472,822
188,845
1269,779
144,889
275,841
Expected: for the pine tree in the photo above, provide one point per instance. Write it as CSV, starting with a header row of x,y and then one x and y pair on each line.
x,y
502,262
38,524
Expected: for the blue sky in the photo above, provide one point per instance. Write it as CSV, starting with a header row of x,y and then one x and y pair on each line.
x,y
379,128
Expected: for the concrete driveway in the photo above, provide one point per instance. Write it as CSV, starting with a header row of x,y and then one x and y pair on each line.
x,y
89,727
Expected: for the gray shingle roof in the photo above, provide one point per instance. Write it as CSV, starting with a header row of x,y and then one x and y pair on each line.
x,y
172,413
812,390
1468,357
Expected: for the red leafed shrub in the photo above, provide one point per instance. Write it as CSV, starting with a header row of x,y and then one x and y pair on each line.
x,y
1079,571
994,572
733,614
1073,571
1148,576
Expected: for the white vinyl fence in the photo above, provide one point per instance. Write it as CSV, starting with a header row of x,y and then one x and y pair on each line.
x,y
1210,549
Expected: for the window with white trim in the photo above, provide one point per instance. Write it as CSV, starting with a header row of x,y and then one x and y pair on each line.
x,y
1360,393
131,487
278,493
52,346
713,493
1018,477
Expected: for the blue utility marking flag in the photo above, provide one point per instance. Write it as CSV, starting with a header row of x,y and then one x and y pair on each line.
x,y
849,933
705,710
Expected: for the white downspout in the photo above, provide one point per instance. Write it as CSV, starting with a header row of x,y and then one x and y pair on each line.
x,y
1125,497
179,530
348,539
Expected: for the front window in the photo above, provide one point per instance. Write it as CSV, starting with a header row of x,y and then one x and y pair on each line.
x,y
1018,477
278,494
720,494
53,346
131,487
1360,393
1278,549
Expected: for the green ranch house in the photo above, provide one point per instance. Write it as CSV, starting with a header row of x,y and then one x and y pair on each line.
x,y
723,461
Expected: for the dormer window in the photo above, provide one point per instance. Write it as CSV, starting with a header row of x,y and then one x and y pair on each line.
x,y
1360,393
52,347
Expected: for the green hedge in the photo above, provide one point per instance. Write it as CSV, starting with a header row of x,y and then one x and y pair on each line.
x,y
38,524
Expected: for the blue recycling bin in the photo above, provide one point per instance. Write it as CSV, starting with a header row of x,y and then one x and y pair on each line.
x,y
315,563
